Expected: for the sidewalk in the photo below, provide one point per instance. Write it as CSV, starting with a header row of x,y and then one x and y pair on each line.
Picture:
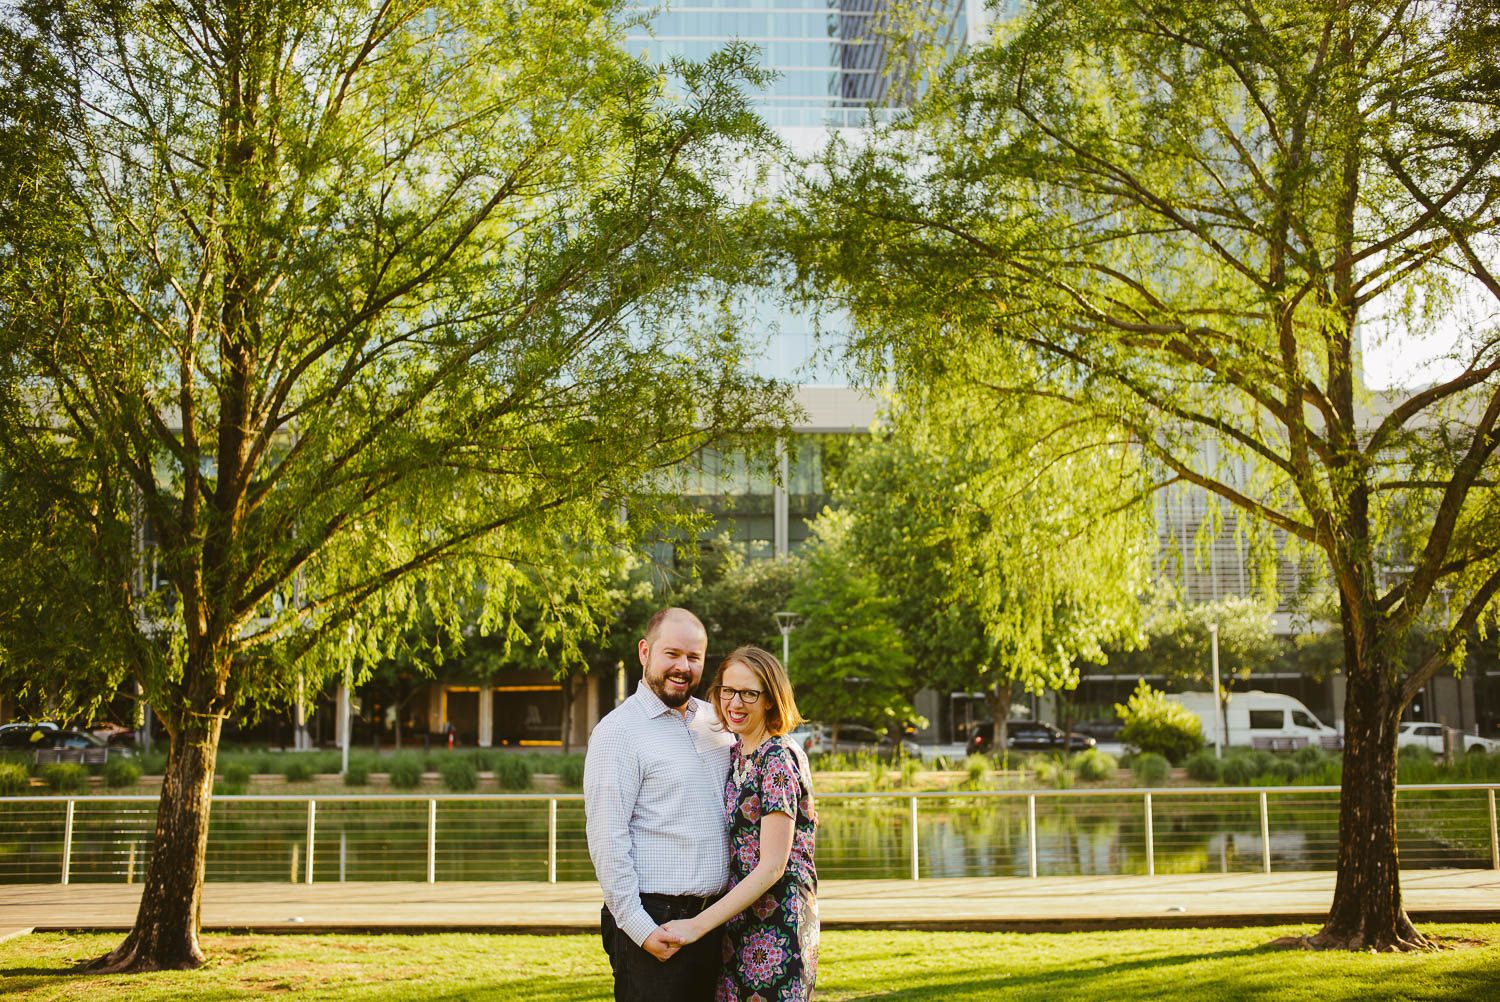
x,y
1051,904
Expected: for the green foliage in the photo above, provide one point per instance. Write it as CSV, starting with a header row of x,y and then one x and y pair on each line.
x,y
1178,642
405,771
513,772
388,319
14,779
1151,768
358,773
1140,215
298,768
459,774
1051,772
66,777
1238,770
570,771
911,768
1205,766
848,661
121,773
977,769
1154,723
234,778
1094,765
934,513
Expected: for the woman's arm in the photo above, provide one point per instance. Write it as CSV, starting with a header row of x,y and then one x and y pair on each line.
x,y
776,830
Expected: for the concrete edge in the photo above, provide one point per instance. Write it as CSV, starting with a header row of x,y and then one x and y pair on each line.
x,y
6,934
1471,916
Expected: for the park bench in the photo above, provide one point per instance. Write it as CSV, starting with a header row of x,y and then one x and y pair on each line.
x,y
1275,744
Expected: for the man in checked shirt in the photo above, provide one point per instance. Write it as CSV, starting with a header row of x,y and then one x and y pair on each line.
x,y
653,793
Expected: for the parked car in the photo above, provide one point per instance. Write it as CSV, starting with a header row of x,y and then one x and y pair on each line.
x,y
855,739
1430,736
812,737
1101,730
31,736
1027,735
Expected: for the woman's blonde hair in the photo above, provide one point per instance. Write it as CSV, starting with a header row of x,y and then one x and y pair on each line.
x,y
781,708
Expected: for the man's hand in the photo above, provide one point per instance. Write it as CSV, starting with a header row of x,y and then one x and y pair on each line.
x,y
661,944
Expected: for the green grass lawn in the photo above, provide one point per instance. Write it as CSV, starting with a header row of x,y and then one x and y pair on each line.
x,y
1135,966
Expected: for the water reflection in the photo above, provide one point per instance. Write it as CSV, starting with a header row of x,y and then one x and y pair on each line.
x,y
858,838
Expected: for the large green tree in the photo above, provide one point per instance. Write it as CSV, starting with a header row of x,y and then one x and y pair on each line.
x,y
1174,217
1013,558
848,660
324,318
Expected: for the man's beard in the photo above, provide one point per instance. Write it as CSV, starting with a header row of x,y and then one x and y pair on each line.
x,y
658,685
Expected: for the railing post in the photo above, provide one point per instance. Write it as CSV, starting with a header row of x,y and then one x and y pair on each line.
x,y
914,838
1031,830
67,860
1150,841
312,810
1494,834
1265,835
552,840
432,841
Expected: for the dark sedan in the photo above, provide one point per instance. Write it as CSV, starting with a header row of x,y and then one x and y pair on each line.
x,y
48,736
1027,735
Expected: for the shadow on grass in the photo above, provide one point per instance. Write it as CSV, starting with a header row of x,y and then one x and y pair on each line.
x,y
1139,981
549,988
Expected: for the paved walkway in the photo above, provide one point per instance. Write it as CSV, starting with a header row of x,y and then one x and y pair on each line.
x,y
1045,904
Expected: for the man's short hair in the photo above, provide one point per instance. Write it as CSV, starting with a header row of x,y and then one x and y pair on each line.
x,y
653,625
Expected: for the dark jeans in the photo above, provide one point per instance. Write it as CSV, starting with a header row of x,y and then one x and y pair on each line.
x,y
690,976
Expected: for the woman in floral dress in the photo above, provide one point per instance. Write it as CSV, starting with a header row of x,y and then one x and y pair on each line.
x,y
771,936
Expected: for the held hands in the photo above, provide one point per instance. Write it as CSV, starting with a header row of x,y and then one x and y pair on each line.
x,y
661,944
666,939
684,931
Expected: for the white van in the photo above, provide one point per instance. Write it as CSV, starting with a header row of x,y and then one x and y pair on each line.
x,y
1259,719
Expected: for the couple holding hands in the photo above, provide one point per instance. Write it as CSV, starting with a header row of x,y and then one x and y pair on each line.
x,y
701,827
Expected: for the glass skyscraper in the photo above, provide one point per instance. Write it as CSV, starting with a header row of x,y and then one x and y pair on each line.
x,y
832,57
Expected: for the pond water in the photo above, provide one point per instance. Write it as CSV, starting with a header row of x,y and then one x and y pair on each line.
x,y
492,839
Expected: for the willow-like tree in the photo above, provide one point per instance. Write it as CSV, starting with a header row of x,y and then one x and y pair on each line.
x,y
1014,552
322,318
1175,217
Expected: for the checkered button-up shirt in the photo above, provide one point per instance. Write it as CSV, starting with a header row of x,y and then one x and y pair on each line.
x,y
653,793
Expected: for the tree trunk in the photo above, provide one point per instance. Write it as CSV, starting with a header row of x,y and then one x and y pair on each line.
x,y
998,700
165,936
1367,913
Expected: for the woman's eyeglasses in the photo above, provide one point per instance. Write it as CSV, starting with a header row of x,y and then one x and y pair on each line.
x,y
747,696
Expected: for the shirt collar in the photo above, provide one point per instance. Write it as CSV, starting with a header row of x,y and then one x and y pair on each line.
x,y
653,706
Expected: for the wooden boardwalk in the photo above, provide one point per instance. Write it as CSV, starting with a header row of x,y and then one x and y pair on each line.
x,y
1044,904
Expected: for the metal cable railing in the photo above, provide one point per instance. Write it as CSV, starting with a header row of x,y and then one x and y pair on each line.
x,y
999,833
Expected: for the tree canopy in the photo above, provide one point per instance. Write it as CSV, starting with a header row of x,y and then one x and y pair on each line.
x,y
1172,220
324,319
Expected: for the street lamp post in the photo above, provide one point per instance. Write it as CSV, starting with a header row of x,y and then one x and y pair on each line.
x,y
786,622
1213,636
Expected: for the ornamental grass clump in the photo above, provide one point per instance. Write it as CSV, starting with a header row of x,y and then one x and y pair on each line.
x,y
121,774
1093,765
513,772
570,771
406,772
234,778
459,774
1150,768
977,769
298,769
66,777
14,779
1205,767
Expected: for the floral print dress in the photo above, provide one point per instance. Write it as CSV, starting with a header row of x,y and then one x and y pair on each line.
x,y
771,948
